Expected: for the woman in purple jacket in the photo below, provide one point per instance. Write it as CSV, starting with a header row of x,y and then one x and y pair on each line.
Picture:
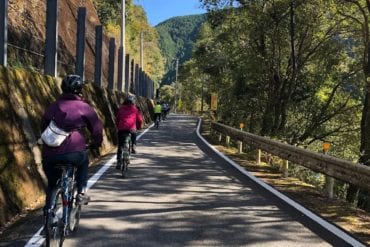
x,y
70,113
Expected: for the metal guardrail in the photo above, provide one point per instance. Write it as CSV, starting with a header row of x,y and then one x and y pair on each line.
x,y
343,170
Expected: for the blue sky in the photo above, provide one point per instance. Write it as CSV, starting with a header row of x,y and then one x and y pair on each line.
x,y
161,10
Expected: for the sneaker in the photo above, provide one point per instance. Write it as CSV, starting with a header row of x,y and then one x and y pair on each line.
x,y
133,149
82,199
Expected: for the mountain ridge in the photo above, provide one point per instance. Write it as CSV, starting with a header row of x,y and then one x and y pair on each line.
x,y
177,37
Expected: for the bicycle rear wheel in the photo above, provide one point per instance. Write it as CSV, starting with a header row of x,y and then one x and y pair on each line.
x,y
124,168
54,222
74,211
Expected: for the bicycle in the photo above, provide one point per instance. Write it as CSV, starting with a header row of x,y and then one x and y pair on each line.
x,y
126,153
157,119
63,217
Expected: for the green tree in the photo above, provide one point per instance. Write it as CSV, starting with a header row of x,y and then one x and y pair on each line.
x,y
284,68
177,38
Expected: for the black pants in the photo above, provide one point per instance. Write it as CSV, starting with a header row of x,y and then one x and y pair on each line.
x,y
121,141
78,159
157,115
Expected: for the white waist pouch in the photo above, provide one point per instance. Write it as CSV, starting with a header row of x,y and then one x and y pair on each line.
x,y
54,136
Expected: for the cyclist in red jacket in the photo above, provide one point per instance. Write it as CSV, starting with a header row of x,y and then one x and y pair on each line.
x,y
128,120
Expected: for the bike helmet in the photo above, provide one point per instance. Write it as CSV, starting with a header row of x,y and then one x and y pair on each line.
x,y
72,84
129,100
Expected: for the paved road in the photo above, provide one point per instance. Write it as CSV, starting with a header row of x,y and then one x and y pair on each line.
x,y
179,193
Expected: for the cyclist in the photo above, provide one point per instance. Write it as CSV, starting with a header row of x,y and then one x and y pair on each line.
x,y
71,113
157,111
128,120
165,110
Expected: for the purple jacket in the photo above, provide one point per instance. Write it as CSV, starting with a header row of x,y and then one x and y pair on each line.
x,y
72,113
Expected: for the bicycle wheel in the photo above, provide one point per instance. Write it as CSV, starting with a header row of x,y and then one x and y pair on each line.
x,y
124,168
74,211
54,222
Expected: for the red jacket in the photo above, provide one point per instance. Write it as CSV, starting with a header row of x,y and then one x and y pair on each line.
x,y
128,118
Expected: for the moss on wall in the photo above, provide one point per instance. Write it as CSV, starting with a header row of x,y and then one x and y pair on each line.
x,y
23,97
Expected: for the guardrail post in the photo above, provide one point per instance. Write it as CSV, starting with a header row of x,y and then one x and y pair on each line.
x,y
258,156
285,168
98,54
4,32
80,42
240,147
227,141
240,143
51,44
219,137
329,186
329,181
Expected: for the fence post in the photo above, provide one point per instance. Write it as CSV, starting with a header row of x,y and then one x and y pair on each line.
x,y
133,77
51,43
147,85
140,79
120,69
127,74
4,32
80,42
98,54
329,181
151,88
137,79
259,157
147,90
112,49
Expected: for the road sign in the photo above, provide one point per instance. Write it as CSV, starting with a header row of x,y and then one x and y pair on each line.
x,y
214,102
326,146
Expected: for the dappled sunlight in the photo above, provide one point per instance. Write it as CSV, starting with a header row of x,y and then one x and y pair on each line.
x,y
175,194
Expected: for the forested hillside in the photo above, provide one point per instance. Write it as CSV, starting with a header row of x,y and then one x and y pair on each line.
x,y
177,38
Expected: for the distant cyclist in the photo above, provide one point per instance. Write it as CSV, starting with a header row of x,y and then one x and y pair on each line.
x,y
128,120
157,111
165,110
71,113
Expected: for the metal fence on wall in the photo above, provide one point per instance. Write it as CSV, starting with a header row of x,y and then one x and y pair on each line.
x,y
29,48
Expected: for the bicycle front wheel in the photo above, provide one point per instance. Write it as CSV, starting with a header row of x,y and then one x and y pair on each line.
x,y
54,222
